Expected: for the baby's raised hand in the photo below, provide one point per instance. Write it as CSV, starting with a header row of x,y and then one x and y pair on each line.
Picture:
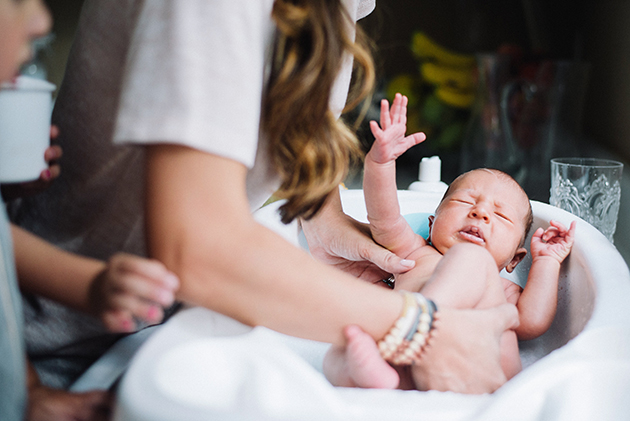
x,y
390,140
131,288
556,241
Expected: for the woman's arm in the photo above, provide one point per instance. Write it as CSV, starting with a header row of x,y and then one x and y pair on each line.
x,y
199,224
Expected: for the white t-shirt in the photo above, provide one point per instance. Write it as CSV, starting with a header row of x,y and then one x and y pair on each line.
x,y
186,72
203,87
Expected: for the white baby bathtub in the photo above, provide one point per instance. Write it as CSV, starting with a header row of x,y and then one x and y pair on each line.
x,y
201,365
592,258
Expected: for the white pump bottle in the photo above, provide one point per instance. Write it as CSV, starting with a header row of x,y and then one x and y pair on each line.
x,y
429,177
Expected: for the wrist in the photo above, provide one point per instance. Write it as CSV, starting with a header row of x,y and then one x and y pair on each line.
x,y
95,294
546,259
405,341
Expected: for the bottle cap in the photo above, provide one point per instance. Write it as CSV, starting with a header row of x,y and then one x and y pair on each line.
x,y
430,169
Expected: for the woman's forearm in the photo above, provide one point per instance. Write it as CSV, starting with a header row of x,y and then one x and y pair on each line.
x,y
200,226
49,271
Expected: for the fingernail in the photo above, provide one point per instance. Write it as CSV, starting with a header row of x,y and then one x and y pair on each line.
x,y
152,314
128,325
47,175
407,263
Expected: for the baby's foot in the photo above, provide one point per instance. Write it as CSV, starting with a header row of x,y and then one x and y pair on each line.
x,y
364,363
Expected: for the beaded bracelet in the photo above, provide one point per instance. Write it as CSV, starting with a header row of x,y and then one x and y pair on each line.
x,y
403,344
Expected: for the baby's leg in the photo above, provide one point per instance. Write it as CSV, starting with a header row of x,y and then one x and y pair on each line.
x,y
467,277
510,357
359,363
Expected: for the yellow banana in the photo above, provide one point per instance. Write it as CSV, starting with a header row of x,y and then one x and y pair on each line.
x,y
455,77
424,47
455,97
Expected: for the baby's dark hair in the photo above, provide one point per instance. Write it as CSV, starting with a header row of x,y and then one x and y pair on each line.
x,y
529,218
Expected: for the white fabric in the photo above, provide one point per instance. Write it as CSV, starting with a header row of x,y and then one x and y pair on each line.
x,y
195,76
202,365
364,8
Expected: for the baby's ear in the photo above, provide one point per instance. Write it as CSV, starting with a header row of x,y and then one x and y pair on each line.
x,y
518,256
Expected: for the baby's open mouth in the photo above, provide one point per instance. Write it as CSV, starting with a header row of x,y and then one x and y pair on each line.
x,y
472,234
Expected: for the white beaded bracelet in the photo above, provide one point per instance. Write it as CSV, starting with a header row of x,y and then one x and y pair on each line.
x,y
404,342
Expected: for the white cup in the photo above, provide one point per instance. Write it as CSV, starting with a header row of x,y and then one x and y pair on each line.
x,y
25,109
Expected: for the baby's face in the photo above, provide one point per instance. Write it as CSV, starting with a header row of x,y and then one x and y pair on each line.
x,y
21,21
482,208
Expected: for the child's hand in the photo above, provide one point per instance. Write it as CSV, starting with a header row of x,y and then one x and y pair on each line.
x,y
390,140
130,288
556,241
51,155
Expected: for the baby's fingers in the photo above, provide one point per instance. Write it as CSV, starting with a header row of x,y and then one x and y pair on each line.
x,y
386,119
550,233
399,109
538,234
376,130
557,229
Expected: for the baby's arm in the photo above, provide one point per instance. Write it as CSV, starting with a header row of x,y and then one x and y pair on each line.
x,y
388,226
538,301
118,291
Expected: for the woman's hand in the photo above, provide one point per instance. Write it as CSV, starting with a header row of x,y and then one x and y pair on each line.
x,y
463,354
339,240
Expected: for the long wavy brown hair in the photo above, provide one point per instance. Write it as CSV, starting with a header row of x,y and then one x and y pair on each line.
x,y
311,149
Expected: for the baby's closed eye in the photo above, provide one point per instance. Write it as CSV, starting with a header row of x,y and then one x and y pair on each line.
x,y
503,216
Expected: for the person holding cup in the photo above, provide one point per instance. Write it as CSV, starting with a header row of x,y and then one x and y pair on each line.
x,y
20,23
113,291
213,107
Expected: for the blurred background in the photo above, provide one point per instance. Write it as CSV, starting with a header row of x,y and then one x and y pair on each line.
x,y
538,78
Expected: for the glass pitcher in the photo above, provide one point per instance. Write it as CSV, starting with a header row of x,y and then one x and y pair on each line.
x,y
488,141
519,123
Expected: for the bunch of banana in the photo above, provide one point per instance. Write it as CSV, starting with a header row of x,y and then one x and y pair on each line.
x,y
450,72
